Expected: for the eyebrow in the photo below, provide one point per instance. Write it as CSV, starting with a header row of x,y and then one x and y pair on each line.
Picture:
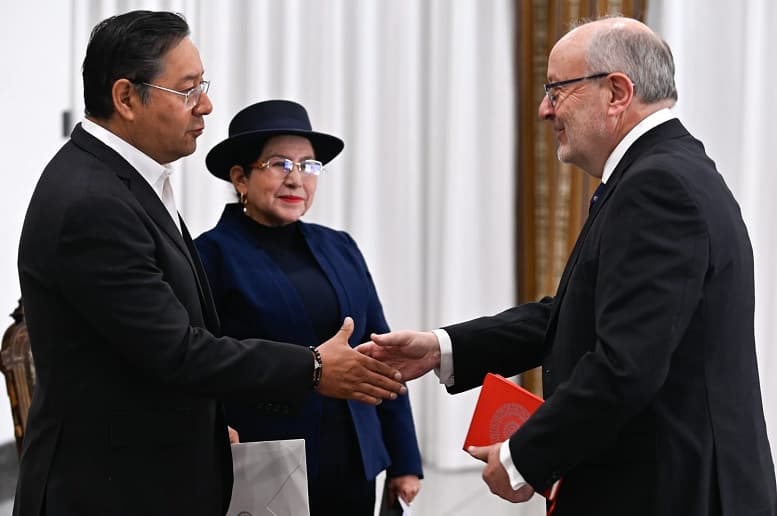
x,y
194,77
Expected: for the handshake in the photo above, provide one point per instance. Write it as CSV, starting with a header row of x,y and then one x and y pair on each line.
x,y
375,370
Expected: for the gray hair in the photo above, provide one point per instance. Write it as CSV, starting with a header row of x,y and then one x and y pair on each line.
x,y
644,57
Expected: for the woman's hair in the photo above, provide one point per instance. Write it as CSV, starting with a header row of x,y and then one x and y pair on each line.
x,y
128,46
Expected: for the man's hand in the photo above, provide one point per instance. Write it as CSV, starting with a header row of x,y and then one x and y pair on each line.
x,y
414,353
348,374
495,475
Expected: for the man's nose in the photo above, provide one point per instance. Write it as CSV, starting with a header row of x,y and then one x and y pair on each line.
x,y
545,110
204,106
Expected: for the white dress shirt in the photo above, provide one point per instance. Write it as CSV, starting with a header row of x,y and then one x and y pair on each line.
x,y
158,176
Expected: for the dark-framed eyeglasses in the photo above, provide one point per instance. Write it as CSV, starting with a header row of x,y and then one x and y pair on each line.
x,y
191,97
551,88
284,166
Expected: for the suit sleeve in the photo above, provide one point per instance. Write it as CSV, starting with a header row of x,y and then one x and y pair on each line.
x,y
508,343
652,259
111,271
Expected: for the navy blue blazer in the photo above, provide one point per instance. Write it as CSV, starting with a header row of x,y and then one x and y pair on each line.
x,y
254,297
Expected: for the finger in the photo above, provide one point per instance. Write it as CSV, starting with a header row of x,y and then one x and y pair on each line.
x,y
381,376
346,330
386,339
408,496
366,348
381,368
370,389
364,398
479,452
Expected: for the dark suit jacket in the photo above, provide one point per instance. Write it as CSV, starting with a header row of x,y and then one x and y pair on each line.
x,y
255,297
653,404
123,419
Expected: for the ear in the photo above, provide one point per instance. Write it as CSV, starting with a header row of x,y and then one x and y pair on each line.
x,y
239,178
125,98
621,93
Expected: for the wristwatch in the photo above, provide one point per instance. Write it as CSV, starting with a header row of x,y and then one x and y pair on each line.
x,y
318,367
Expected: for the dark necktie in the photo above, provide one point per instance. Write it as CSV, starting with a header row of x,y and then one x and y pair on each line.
x,y
598,193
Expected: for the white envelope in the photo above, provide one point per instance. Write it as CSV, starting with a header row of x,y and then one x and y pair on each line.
x,y
270,479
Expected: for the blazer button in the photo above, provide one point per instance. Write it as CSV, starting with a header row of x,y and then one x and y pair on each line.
x,y
547,371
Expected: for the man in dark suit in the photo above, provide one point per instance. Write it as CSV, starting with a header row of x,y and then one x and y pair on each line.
x,y
653,405
124,419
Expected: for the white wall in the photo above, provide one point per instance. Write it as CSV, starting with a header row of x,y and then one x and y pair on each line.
x,y
34,57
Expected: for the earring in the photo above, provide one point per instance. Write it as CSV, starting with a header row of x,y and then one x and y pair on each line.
x,y
244,202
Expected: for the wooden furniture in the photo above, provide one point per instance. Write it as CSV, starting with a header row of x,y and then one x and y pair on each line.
x,y
17,366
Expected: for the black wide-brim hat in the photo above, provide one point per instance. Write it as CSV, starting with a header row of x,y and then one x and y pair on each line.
x,y
257,123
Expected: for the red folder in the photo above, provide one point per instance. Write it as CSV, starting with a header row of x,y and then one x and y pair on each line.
x,y
502,407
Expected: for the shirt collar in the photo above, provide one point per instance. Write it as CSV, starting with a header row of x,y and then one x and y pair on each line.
x,y
150,170
648,123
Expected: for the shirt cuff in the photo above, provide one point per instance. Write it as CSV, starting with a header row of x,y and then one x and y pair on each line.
x,y
445,371
516,479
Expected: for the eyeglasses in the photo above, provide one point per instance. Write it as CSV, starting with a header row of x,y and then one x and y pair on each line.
x,y
553,96
283,167
191,97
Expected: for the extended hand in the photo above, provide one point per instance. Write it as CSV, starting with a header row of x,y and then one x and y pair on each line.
x,y
495,475
348,374
414,353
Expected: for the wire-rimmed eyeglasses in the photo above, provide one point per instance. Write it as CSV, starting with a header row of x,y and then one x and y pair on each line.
x,y
551,88
191,97
284,166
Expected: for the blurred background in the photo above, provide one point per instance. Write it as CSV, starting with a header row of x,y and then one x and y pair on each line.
x,y
442,182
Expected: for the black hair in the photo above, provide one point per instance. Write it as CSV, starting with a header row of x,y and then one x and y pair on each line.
x,y
127,46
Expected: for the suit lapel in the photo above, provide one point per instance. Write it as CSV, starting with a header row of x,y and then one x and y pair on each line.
x,y
152,204
139,187
669,129
206,297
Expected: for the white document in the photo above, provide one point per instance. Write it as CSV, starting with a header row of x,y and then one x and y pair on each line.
x,y
270,479
405,506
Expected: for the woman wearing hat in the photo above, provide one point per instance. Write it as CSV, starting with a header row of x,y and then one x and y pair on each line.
x,y
276,276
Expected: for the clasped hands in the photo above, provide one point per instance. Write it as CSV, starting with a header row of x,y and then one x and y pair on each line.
x,y
348,374
373,371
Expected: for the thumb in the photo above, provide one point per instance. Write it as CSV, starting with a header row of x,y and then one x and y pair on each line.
x,y
479,452
346,330
385,339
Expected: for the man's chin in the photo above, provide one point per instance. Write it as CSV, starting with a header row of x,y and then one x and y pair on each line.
x,y
189,149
